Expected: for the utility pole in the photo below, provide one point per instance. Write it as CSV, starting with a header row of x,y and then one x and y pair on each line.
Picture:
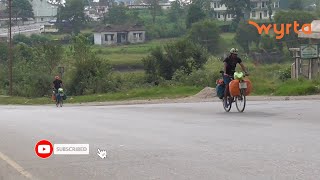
x,y
10,48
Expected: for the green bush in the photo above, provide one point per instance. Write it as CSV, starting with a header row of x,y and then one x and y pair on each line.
x,y
150,67
267,42
31,84
36,86
181,54
203,77
90,37
285,74
21,38
91,76
33,40
168,30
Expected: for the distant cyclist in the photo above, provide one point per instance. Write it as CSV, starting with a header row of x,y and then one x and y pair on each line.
x,y
230,64
57,83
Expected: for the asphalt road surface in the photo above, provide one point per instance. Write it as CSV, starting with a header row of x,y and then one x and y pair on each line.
x,y
35,28
269,141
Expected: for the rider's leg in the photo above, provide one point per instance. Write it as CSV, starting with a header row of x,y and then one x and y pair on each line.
x,y
57,95
226,92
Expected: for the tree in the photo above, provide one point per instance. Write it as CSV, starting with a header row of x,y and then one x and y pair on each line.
x,y
283,17
117,14
296,4
317,13
206,33
120,14
22,9
91,74
237,8
73,14
206,6
195,14
53,54
31,72
246,34
267,42
176,11
155,9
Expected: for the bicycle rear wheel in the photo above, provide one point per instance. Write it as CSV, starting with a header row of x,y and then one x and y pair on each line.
x,y
241,101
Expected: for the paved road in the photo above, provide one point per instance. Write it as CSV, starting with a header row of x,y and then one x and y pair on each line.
x,y
31,28
271,140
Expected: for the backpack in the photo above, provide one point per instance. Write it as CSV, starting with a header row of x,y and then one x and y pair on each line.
x,y
220,88
64,97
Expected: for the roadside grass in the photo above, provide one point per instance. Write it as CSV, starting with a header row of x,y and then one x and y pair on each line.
x,y
265,80
298,87
134,94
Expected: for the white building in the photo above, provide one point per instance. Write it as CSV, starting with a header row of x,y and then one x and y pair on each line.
x,y
259,9
146,6
119,34
43,10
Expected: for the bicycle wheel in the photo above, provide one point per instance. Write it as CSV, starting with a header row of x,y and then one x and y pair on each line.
x,y
58,102
229,104
241,101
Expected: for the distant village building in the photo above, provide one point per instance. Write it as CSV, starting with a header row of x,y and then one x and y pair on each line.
x,y
119,34
259,9
97,9
315,32
43,10
145,6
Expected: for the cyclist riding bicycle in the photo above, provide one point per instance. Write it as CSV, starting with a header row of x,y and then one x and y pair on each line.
x,y
56,85
230,64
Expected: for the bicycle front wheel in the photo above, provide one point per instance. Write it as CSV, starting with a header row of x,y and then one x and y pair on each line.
x,y
241,101
227,105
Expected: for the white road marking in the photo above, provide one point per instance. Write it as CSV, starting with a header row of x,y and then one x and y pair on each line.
x,y
16,166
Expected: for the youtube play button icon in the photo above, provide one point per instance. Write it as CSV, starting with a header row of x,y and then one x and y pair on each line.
x,y
44,149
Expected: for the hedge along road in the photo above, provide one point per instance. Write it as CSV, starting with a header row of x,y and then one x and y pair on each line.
x,y
270,140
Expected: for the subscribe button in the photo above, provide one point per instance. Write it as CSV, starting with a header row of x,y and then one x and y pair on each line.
x,y
71,149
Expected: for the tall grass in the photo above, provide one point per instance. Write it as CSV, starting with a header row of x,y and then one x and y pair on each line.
x,y
128,54
298,87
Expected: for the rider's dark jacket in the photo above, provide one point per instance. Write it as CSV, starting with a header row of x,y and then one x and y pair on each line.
x,y
231,64
57,84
